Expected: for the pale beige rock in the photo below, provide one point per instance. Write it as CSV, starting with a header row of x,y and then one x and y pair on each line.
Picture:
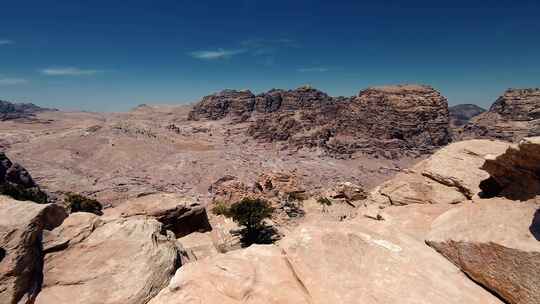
x,y
120,261
258,274
451,175
73,230
497,243
342,263
21,225
200,244
179,214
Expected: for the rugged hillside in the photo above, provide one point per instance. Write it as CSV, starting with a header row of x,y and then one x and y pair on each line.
x,y
514,115
386,121
462,113
9,110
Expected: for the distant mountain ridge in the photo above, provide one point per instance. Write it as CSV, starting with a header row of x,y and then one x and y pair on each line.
x,y
387,121
462,113
11,110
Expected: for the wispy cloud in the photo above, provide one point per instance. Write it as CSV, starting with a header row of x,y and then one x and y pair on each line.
x,y
6,81
69,71
6,42
313,70
216,54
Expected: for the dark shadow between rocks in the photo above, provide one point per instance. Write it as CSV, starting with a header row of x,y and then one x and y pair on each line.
x,y
535,225
490,188
264,235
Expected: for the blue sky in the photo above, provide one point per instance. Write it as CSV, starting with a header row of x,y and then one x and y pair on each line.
x,y
112,55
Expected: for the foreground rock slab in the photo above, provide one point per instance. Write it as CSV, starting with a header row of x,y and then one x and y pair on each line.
x,y
117,261
451,175
21,225
497,243
335,263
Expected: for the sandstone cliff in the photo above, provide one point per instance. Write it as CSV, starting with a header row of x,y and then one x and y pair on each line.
x,y
384,121
513,116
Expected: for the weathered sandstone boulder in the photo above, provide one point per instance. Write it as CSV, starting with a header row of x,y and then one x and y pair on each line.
x,y
16,182
515,174
451,175
21,226
201,245
178,214
109,261
258,274
331,263
515,115
496,242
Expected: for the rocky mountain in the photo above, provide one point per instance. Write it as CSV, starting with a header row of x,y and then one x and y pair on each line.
x,y
462,113
384,121
9,110
513,116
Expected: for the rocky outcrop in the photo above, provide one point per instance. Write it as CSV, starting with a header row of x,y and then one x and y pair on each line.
x,y
331,263
9,110
514,174
496,243
21,256
108,261
384,121
451,175
462,113
515,115
227,103
177,214
16,182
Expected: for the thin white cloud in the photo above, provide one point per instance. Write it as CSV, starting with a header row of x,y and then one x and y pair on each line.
x,y
217,54
69,71
6,81
6,42
313,70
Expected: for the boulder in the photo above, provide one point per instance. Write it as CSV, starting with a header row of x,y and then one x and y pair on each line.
x,y
178,214
332,263
21,227
451,175
515,174
496,242
201,245
258,274
124,260
513,116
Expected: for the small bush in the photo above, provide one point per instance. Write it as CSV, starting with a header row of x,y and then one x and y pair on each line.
x,y
80,203
220,209
250,213
324,201
23,194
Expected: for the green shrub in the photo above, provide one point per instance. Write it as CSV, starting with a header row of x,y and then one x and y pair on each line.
x,y
220,209
250,212
324,201
80,203
24,194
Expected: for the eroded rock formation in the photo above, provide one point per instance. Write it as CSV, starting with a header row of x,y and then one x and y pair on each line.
x,y
515,115
461,114
385,121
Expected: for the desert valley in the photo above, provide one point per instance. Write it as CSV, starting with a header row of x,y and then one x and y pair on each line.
x,y
388,196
